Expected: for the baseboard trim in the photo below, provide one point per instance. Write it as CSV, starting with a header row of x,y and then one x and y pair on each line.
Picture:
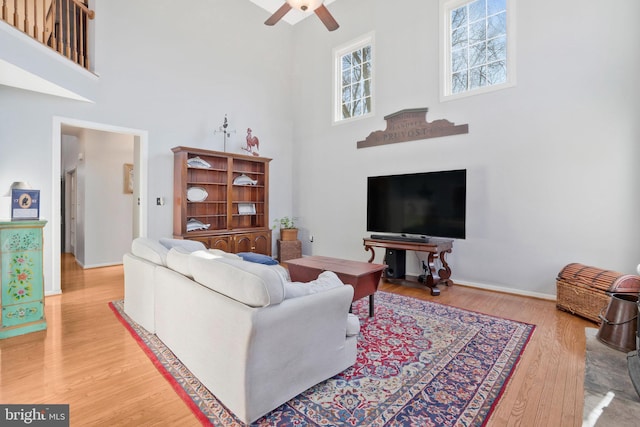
x,y
107,264
513,291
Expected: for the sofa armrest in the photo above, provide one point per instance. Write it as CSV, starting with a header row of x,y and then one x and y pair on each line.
x,y
298,344
139,290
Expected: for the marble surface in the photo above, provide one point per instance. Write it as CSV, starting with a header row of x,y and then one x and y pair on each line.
x,y
609,396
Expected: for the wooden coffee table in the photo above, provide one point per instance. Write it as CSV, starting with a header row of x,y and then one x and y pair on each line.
x,y
363,276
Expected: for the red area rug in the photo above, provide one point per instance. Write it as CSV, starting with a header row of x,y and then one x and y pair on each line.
x,y
419,363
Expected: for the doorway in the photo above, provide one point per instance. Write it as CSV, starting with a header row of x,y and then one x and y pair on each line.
x,y
140,205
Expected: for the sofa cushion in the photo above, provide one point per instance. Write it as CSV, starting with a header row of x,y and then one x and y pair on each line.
x,y
220,252
149,249
259,258
255,285
325,281
282,271
189,245
353,325
178,260
208,254
215,253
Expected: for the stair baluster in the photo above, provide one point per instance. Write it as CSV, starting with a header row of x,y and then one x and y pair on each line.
x,y
59,24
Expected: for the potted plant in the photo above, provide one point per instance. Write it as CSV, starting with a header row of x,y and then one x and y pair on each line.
x,y
288,230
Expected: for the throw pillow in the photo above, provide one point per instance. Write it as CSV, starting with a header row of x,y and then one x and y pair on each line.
x,y
325,281
259,258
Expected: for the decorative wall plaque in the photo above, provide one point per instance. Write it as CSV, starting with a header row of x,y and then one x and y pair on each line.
x,y
411,125
25,204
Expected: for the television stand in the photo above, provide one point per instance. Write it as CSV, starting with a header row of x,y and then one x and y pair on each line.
x,y
435,248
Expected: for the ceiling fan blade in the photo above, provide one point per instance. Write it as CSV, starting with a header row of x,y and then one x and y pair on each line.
x,y
278,14
326,18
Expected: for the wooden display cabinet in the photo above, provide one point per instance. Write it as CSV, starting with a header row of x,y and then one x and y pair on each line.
x,y
231,196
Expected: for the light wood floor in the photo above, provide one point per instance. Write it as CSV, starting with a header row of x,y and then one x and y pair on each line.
x,y
87,359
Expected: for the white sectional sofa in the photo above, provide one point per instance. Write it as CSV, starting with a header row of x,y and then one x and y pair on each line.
x,y
252,337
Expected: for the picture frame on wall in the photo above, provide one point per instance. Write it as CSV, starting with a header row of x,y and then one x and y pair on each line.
x,y
25,204
128,178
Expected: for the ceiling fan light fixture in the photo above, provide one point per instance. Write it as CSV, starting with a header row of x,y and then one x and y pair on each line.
x,y
317,6
305,5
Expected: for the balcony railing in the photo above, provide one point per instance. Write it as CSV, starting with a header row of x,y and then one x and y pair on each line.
x,y
59,24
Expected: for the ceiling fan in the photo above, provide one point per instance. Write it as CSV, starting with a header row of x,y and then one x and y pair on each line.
x,y
316,5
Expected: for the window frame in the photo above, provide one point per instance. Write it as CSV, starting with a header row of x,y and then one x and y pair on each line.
x,y
338,52
446,6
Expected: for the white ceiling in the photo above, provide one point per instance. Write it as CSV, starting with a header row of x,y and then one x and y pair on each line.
x,y
292,17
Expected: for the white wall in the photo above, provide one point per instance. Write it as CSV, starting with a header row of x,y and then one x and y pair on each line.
x,y
108,222
552,162
173,72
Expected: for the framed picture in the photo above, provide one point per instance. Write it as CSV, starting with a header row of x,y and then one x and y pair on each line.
x,y
25,204
247,208
128,178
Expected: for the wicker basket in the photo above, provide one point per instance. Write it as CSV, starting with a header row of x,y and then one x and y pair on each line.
x,y
584,290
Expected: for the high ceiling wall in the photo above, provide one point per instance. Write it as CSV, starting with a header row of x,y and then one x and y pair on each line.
x,y
552,162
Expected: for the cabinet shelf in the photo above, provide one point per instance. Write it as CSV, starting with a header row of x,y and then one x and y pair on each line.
x,y
246,172
206,169
207,202
192,183
207,216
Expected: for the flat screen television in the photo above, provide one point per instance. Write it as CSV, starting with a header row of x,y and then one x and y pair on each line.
x,y
422,204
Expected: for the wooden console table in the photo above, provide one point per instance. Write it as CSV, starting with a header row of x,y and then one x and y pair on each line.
x,y
435,248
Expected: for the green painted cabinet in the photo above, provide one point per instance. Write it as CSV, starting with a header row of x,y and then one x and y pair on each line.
x,y
22,298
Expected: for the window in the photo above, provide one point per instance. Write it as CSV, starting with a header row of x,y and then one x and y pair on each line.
x,y
478,48
354,79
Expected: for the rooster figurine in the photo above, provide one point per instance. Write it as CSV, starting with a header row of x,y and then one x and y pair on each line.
x,y
252,141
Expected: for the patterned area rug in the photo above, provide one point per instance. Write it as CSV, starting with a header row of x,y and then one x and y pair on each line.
x,y
419,364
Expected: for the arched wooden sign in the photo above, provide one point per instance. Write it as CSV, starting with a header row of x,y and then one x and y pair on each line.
x,y
411,125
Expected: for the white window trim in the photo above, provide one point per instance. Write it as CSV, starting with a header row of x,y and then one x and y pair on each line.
x,y
338,52
445,43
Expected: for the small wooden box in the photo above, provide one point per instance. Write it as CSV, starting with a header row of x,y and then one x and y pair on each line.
x,y
289,249
585,290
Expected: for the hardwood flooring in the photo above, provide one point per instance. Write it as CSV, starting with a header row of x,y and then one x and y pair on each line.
x,y
88,360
